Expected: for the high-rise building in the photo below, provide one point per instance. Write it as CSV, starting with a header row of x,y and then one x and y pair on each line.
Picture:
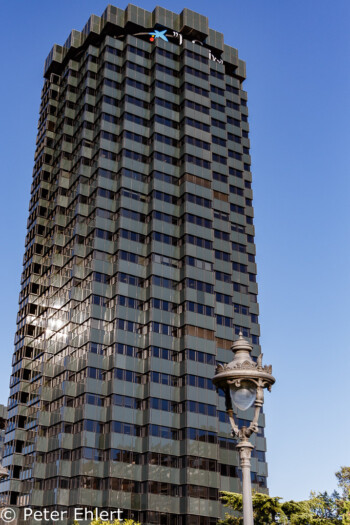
x,y
139,269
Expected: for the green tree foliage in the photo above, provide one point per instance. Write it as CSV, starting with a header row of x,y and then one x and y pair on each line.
x,y
320,509
325,507
343,477
265,509
98,521
297,512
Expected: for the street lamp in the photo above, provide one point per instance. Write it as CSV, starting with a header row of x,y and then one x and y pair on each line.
x,y
243,382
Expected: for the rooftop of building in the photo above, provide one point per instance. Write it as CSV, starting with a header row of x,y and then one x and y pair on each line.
x,y
191,25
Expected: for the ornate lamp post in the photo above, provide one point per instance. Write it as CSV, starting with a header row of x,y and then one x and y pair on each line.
x,y
243,382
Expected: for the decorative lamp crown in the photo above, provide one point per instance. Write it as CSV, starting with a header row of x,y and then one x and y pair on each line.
x,y
243,368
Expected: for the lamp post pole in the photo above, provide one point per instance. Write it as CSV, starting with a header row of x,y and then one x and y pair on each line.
x,y
243,382
245,453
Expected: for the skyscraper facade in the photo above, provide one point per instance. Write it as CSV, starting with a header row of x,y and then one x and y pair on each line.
x,y
139,269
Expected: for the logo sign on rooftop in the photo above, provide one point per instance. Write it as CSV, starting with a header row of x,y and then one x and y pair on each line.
x,y
176,37
158,34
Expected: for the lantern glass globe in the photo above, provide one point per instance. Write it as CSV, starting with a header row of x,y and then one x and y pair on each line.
x,y
243,397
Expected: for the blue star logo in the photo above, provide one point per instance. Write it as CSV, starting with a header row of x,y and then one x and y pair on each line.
x,y
158,34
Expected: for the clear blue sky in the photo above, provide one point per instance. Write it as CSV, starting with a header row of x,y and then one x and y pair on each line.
x,y
297,54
